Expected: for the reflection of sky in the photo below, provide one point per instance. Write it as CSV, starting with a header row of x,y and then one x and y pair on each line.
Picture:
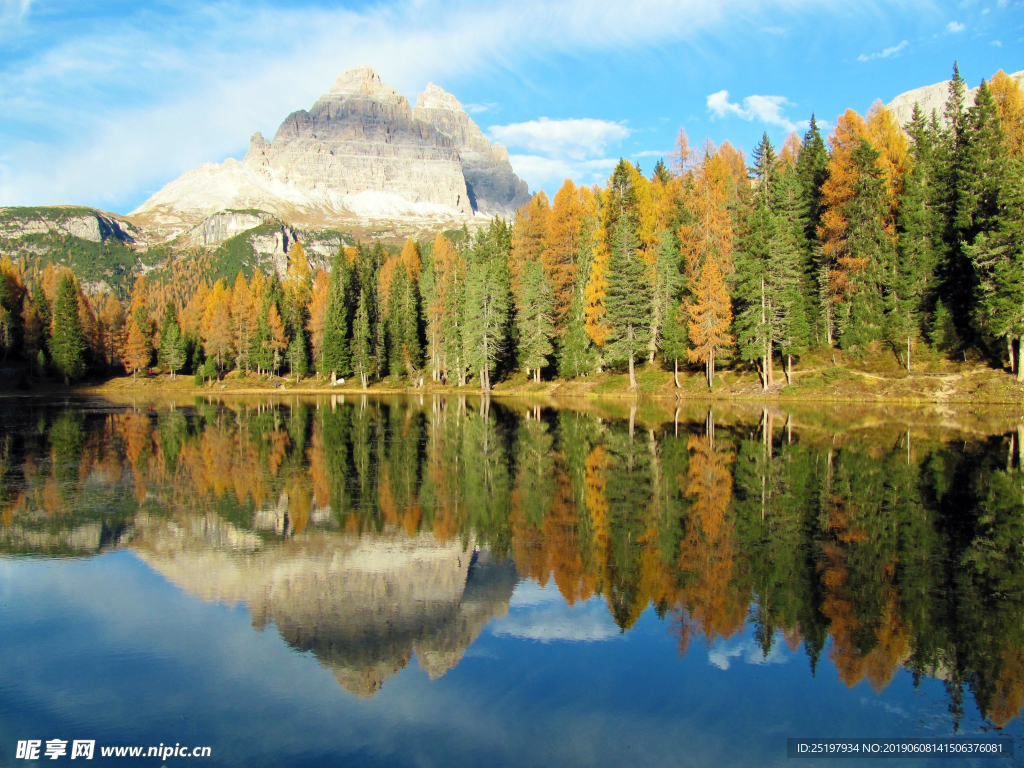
x,y
540,613
106,649
724,652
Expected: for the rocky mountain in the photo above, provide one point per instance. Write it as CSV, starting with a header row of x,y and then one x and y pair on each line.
x,y
360,154
931,98
362,605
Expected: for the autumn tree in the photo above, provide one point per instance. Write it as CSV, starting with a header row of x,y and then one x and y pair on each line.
x,y
216,325
710,315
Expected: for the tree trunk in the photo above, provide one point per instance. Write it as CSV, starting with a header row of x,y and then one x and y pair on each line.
x,y
632,373
770,360
908,354
1020,368
675,373
789,369
537,375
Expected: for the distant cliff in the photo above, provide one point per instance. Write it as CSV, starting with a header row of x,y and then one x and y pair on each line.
x,y
931,98
358,154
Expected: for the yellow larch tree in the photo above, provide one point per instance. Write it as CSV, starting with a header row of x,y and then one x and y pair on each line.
x,y
191,318
296,281
560,256
710,317
278,338
317,311
112,316
596,291
529,237
708,231
411,259
216,325
836,193
885,135
1009,98
790,151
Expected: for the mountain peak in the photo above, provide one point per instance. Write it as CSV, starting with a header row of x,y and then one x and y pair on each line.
x,y
362,80
436,97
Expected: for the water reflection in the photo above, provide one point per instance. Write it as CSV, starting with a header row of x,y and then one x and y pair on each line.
x,y
371,530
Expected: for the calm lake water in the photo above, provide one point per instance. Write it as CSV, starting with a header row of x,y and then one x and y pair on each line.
x,y
439,581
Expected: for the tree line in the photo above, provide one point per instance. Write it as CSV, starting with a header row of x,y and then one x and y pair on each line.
x,y
880,237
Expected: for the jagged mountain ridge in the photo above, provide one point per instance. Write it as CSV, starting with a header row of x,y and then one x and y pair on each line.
x,y
932,98
359,154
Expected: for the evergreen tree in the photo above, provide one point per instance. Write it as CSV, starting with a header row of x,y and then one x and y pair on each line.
x,y
917,228
668,284
67,342
629,293
362,342
869,255
661,172
674,338
488,302
403,324
812,172
770,266
297,355
998,256
171,352
335,345
536,327
980,212
576,353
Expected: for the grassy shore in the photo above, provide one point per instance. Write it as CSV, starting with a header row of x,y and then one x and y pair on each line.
x,y
824,376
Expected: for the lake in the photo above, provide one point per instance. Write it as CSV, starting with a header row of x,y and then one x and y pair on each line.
x,y
433,581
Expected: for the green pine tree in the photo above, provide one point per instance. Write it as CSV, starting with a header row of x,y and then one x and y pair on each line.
x,y
298,357
362,342
917,227
335,356
488,303
629,295
536,328
67,342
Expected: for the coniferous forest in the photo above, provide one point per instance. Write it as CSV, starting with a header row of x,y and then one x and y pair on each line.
x,y
875,239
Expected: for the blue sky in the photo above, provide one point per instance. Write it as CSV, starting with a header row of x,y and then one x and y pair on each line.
x,y
102,103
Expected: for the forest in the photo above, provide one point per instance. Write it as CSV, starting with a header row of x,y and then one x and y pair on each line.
x,y
878,239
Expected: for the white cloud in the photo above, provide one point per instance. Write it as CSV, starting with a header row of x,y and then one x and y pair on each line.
x,y
767,109
538,613
476,109
549,173
996,43
652,153
724,651
96,112
575,139
892,51
955,27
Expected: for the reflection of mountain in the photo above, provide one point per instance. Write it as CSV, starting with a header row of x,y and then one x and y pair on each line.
x,y
362,605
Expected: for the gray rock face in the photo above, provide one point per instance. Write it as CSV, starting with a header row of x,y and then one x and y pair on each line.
x,y
931,98
226,224
84,223
493,186
359,153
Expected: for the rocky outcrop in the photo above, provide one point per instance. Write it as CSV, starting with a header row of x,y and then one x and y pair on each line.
x,y
493,186
359,154
362,605
931,98
84,223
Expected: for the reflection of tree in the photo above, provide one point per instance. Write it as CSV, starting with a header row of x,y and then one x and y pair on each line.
x,y
711,601
905,550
